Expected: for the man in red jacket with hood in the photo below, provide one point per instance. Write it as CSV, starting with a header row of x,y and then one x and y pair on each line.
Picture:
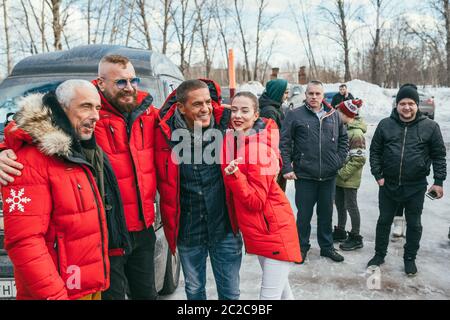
x,y
125,133
193,201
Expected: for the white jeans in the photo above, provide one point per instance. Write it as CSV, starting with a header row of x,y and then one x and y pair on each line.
x,y
275,279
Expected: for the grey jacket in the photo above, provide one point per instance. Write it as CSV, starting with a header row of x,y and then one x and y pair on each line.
x,y
311,148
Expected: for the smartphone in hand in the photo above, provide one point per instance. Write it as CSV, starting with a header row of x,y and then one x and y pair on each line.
x,y
431,195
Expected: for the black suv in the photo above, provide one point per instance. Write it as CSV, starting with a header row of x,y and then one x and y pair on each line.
x,y
44,72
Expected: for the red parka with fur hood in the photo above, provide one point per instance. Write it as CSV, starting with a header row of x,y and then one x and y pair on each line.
x,y
55,224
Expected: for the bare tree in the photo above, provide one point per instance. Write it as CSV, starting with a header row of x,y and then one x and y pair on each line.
x,y
89,19
7,43
130,22
238,16
33,47
185,25
55,6
204,16
307,28
166,23
263,23
40,23
443,9
221,14
340,15
143,15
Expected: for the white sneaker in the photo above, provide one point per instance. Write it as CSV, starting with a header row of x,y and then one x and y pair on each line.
x,y
399,227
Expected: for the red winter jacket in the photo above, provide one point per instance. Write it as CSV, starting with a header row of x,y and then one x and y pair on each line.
x,y
132,157
263,212
167,170
55,225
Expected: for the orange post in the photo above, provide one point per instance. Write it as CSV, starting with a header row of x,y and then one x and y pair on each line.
x,y
231,73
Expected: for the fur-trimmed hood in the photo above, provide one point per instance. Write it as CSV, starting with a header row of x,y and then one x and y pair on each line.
x,y
42,121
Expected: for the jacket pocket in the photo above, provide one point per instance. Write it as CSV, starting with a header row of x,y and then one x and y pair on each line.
x,y
141,124
112,138
302,132
61,256
265,227
86,198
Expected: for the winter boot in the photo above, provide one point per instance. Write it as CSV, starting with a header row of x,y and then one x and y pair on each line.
x,y
353,242
339,234
410,266
332,254
376,261
399,226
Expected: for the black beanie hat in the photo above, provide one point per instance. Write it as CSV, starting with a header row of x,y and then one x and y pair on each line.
x,y
408,91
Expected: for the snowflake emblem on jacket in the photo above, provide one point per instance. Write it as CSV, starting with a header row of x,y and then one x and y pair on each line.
x,y
17,200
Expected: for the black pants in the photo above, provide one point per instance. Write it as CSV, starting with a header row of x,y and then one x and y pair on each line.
x,y
411,198
307,194
136,270
346,201
399,212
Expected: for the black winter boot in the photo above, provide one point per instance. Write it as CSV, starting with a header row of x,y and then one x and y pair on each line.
x,y
332,254
339,234
353,242
377,261
410,266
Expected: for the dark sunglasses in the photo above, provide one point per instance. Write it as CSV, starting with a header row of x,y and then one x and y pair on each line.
x,y
122,83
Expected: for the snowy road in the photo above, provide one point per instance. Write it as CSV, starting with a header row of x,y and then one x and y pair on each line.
x,y
320,278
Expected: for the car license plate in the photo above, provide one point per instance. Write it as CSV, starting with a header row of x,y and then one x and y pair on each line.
x,y
7,288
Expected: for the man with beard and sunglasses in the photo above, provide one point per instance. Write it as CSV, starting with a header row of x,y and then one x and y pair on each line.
x,y
125,133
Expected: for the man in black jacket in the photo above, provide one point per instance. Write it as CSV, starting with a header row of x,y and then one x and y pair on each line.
x,y
342,96
314,146
403,148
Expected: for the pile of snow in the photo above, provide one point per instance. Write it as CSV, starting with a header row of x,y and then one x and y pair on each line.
x,y
377,101
442,102
254,87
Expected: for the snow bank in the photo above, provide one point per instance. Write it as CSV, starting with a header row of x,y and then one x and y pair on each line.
x,y
254,87
377,101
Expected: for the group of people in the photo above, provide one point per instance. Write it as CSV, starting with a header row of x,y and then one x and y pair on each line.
x,y
80,168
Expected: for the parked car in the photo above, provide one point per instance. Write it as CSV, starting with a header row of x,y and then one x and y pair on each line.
x,y
296,96
426,104
328,96
226,99
44,72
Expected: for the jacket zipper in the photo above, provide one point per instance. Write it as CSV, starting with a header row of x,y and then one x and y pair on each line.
x,y
81,196
100,222
178,206
142,132
141,208
320,150
401,159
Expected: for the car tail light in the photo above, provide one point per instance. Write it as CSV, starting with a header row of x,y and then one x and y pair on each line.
x,y
429,101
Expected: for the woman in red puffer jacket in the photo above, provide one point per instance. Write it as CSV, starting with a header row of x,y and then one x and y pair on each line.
x,y
265,217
